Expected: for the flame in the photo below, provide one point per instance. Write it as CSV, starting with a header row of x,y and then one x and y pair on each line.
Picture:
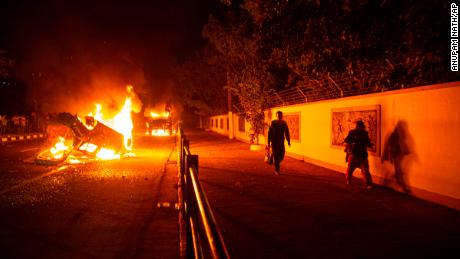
x,y
157,118
107,154
88,147
159,132
121,122
59,149
98,113
156,115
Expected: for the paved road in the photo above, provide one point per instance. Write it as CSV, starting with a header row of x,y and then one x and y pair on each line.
x,y
96,210
109,209
308,211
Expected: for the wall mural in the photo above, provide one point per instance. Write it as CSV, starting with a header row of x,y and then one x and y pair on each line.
x,y
343,120
293,122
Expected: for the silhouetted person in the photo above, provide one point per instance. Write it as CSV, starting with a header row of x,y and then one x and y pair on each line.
x,y
3,124
276,133
395,151
358,141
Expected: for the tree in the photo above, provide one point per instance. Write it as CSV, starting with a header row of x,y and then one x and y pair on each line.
x,y
236,38
362,46
200,82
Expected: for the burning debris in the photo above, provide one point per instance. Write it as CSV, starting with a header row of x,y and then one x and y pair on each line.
x,y
81,143
77,140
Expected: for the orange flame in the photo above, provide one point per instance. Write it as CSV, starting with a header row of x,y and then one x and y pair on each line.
x,y
98,113
107,154
59,149
121,122
159,132
156,115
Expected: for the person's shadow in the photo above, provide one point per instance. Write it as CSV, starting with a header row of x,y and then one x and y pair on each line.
x,y
399,151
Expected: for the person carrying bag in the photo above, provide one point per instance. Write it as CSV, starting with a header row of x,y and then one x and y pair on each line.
x,y
268,155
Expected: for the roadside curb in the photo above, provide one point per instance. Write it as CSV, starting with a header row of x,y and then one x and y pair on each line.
x,y
17,138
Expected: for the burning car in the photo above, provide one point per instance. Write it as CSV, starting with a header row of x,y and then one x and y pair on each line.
x,y
77,140
160,124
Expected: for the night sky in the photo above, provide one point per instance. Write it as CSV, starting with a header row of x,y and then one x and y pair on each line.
x,y
87,46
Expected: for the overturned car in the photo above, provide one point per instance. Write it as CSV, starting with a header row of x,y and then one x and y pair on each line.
x,y
75,140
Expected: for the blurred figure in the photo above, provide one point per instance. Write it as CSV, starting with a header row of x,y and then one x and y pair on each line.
x,y
357,143
3,124
276,133
395,151
22,124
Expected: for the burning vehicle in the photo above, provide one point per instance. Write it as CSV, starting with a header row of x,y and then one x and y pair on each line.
x,y
160,124
77,140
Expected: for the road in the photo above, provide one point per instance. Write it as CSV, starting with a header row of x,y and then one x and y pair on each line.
x,y
108,209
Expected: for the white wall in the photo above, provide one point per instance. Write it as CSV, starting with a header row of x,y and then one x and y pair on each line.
x,y
239,135
431,116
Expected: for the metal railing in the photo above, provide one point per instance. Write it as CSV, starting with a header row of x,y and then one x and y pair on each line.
x,y
203,237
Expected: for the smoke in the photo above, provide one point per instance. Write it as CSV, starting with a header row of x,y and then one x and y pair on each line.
x,y
78,92
136,102
72,73
74,54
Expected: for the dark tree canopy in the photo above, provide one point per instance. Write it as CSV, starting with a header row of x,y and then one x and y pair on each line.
x,y
361,46
200,82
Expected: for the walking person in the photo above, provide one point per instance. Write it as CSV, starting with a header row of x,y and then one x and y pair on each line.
x,y
277,132
357,143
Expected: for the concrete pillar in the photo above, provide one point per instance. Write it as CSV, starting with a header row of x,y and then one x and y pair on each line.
x,y
231,134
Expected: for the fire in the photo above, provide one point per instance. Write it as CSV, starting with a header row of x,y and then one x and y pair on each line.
x,y
159,132
93,144
107,154
98,113
159,124
156,115
88,147
123,123
59,149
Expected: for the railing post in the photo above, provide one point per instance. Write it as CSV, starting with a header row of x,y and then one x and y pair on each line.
x,y
188,198
181,152
189,208
193,217
185,148
181,155
197,213
183,226
192,161
185,144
